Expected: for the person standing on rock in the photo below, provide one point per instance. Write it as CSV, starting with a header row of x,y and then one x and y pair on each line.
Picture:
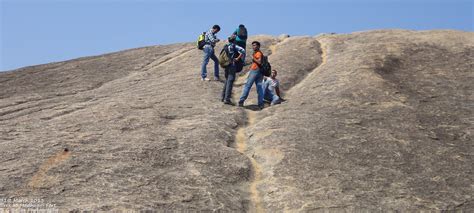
x,y
255,76
241,36
271,89
237,55
208,49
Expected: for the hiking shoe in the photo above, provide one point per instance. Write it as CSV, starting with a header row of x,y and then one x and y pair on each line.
x,y
241,104
205,79
217,79
229,103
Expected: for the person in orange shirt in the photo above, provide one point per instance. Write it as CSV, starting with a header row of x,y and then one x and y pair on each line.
x,y
255,76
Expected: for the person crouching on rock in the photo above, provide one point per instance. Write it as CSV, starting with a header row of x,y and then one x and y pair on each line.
x,y
208,50
237,56
271,89
255,76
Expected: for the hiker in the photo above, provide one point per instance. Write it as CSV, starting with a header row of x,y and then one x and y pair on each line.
x,y
210,40
271,89
241,36
237,57
255,76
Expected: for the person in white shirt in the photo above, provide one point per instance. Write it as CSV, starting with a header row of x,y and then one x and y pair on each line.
x,y
271,89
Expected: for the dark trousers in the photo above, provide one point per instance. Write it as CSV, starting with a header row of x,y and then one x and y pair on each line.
x,y
229,82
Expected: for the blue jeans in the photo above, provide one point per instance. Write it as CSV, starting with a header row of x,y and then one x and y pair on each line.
x,y
257,77
209,53
229,82
269,96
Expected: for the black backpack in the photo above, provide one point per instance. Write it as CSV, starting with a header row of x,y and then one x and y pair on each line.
x,y
265,67
242,33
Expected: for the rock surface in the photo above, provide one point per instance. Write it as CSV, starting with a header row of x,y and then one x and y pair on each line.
x,y
378,120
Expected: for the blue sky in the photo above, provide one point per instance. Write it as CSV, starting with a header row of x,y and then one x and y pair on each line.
x,y
42,31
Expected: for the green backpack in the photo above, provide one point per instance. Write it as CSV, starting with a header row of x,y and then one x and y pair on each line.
x,y
224,58
201,41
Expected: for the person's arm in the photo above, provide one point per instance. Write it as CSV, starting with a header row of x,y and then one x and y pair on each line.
x,y
241,52
277,90
211,37
258,59
238,57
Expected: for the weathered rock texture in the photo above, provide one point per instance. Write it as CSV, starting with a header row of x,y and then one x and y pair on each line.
x,y
378,120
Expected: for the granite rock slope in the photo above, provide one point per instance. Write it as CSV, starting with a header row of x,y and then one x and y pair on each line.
x,y
378,120
383,123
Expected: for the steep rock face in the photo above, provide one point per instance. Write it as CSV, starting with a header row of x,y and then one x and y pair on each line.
x,y
384,123
378,120
145,138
